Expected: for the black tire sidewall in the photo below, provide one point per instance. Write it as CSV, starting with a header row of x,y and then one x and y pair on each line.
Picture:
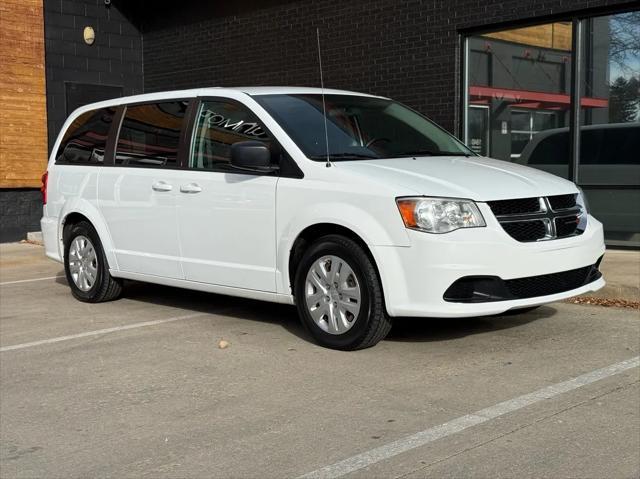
x,y
360,328
85,229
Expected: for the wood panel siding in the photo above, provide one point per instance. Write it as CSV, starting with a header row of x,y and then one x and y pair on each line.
x,y
23,108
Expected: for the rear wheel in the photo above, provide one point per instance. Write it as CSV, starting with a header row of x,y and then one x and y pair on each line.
x,y
338,295
86,267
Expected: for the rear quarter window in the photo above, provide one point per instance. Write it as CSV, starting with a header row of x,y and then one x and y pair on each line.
x,y
85,140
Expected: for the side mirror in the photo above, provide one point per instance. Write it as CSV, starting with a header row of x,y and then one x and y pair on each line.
x,y
252,156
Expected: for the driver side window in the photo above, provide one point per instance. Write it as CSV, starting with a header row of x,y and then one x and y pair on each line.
x,y
220,124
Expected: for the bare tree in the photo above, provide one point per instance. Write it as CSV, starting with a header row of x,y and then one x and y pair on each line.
x,y
624,46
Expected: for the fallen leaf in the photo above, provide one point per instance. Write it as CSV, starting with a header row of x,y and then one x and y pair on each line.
x,y
606,302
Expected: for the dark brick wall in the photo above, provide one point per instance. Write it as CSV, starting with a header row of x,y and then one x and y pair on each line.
x,y
114,59
408,50
20,212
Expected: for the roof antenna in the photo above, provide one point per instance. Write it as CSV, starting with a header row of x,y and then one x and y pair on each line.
x,y
324,107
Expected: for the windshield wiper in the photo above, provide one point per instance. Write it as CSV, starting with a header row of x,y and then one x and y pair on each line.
x,y
345,156
430,153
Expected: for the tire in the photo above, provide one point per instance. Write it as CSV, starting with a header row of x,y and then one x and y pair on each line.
x,y
86,267
337,317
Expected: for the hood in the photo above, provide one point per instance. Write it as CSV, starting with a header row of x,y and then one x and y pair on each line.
x,y
476,178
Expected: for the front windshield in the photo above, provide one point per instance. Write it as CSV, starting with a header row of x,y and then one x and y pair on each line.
x,y
358,127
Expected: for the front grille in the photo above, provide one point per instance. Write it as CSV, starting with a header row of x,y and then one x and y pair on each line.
x,y
547,284
562,202
566,226
515,207
536,219
483,289
525,230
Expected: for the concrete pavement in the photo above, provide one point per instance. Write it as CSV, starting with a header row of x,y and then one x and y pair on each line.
x,y
162,400
621,269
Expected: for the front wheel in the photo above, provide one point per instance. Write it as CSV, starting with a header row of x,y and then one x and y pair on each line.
x,y
339,296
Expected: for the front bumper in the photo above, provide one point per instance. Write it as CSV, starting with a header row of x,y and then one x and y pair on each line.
x,y
416,278
483,289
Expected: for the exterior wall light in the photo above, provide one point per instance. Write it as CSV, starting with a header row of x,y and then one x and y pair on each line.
x,y
89,35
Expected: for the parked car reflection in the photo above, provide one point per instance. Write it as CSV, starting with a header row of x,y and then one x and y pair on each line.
x,y
609,167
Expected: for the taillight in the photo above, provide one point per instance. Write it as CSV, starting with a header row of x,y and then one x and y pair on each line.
x,y
43,188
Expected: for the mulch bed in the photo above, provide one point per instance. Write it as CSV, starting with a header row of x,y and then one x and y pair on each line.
x,y
616,303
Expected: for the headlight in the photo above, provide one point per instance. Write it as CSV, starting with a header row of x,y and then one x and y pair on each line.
x,y
439,215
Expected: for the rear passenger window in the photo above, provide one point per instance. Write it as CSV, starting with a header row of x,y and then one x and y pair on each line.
x,y
85,140
150,134
220,124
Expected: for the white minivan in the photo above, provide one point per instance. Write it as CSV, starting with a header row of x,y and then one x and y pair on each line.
x,y
353,207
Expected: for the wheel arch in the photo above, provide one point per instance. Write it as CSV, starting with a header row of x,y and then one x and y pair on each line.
x,y
310,234
84,211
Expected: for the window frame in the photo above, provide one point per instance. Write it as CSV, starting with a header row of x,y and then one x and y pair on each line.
x,y
187,131
110,153
291,170
531,130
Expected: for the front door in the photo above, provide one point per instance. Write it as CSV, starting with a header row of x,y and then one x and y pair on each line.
x,y
226,218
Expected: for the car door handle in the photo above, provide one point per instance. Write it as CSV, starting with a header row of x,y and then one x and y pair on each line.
x,y
161,186
191,188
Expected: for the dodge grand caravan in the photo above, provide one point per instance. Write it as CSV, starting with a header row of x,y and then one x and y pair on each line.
x,y
353,207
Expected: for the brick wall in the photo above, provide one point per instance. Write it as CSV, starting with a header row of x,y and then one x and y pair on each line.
x,y
20,212
408,50
114,59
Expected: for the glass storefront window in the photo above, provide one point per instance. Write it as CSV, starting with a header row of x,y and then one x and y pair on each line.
x,y
609,159
521,78
525,124
519,87
478,127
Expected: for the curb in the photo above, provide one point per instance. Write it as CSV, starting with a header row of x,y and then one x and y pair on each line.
x,y
35,237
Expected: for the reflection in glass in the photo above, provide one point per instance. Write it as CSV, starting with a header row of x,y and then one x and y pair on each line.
x,y
220,124
478,129
85,139
610,131
358,127
150,134
522,78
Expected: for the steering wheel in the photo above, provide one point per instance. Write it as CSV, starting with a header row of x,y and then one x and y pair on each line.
x,y
376,140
